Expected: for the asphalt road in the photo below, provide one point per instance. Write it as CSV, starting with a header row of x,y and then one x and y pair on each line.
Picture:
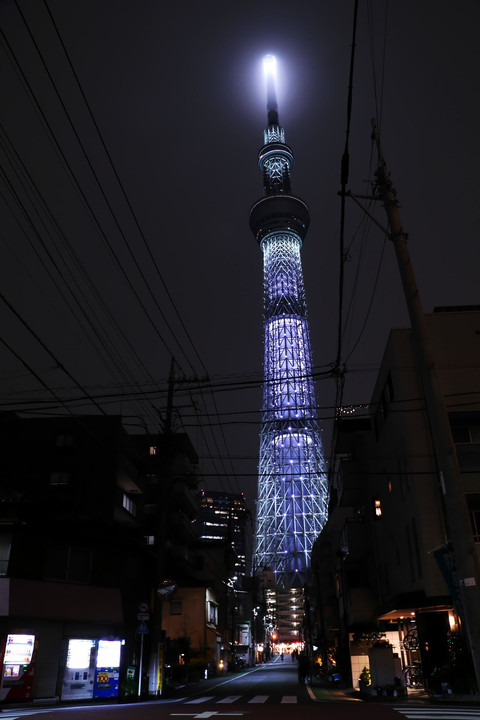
x,y
268,692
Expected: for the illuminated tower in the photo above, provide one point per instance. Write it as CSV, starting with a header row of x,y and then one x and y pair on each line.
x,y
292,485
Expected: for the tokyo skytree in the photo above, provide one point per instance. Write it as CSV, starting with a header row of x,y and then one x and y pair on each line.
x,y
292,482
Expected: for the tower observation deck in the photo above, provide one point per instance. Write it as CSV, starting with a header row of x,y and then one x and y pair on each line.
x,y
292,483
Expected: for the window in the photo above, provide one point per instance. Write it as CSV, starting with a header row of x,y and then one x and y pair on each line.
x,y
59,477
475,515
152,450
384,406
212,613
460,434
175,607
387,395
64,440
466,434
129,505
378,508
5,547
149,539
68,563
473,504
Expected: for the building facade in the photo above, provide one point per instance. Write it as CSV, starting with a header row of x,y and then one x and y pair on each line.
x,y
74,562
383,561
222,518
97,531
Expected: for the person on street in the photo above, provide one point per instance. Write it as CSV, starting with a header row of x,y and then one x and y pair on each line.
x,y
303,666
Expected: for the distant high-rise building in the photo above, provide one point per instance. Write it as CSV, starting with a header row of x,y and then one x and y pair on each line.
x,y
292,483
222,518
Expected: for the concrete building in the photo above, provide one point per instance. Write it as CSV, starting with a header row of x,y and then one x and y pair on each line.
x,y
74,564
383,561
97,528
222,518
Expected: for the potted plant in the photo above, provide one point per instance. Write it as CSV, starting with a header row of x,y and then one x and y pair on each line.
x,y
365,679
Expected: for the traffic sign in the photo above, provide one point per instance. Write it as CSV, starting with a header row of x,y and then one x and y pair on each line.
x,y
143,616
142,628
143,606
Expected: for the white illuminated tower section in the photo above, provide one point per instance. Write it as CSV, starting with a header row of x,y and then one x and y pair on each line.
x,y
292,485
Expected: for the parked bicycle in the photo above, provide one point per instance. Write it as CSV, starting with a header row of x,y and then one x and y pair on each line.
x,y
413,676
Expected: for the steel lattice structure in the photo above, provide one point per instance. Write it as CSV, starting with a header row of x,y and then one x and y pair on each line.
x,y
292,484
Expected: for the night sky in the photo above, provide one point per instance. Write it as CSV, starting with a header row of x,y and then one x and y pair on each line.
x,y
129,139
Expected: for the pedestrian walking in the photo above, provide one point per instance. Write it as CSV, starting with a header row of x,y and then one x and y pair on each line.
x,y
303,666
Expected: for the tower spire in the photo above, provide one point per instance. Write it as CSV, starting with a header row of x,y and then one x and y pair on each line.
x,y
270,72
292,486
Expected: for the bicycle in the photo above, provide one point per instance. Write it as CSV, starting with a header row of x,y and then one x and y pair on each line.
x,y
413,676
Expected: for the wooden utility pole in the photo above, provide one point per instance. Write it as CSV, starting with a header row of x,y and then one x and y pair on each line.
x,y
458,520
159,593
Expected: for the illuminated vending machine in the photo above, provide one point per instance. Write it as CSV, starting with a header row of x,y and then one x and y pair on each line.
x,y
79,673
18,667
107,671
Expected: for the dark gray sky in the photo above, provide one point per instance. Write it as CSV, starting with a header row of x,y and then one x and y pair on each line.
x,y
175,90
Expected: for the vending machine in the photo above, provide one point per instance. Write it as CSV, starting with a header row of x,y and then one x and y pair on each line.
x,y
107,670
79,674
18,667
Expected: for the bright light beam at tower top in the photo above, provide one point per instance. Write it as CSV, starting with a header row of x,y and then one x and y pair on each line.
x,y
270,72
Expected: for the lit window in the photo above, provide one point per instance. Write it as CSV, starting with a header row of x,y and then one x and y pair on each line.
x,y
129,505
378,508
152,450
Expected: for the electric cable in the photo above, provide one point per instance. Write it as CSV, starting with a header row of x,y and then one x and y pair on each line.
x,y
82,307
49,352
84,197
340,373
122,188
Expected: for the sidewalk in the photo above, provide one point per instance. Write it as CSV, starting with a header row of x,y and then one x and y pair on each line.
x,y
322,693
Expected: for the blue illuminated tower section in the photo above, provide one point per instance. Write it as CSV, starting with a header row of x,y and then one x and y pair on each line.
x,y
292,484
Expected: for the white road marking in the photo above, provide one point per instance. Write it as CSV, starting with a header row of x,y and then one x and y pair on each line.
x,y
259,699
204,715
200,700
230,699
440,713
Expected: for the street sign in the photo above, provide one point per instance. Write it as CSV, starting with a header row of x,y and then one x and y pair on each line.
x,y
142,628
143,607
143,616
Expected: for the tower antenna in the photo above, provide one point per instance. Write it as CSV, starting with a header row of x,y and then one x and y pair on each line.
x,y
270,72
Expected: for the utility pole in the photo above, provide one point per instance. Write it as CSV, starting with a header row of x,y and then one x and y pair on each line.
x,y
160,589
456,511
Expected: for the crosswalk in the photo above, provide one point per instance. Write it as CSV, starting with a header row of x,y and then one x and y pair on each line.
x,y
444,712
255,700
